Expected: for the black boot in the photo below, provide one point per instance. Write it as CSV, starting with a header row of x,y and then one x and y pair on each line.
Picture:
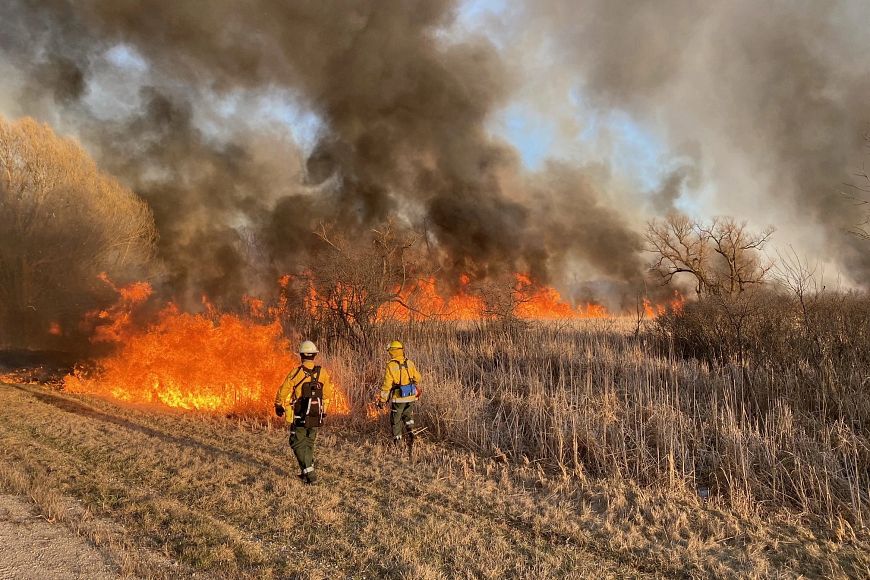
x,y
307,476
410,440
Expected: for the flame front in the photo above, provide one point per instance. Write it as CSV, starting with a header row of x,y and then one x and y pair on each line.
x,y
675,305
208,362
221,362
531,301
423,301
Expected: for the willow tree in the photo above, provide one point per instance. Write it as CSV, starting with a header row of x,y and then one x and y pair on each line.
x,y
62,222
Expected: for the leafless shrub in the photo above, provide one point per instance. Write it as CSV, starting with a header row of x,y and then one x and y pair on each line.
x,y
857,193
501,297
345,289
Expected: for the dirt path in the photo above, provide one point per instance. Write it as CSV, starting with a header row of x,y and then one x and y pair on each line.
x,y
32,547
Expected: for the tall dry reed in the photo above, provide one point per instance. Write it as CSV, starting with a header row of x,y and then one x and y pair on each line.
x,y
592,398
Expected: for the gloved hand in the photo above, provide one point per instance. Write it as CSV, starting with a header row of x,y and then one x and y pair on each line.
x,y
279,410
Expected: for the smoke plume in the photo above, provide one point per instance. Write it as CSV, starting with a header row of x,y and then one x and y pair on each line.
x,y
772,99
186,104
403,130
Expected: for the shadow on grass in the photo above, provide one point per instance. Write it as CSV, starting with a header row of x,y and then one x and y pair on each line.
x,y
84,410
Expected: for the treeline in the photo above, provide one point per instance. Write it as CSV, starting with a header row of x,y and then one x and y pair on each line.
x,y
62,223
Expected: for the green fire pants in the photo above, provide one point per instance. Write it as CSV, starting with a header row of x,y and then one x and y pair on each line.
x,y
302,442
402,417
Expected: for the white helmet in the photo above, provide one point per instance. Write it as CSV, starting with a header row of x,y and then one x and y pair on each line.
x,y
308,347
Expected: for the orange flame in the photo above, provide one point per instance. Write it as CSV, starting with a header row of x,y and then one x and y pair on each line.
x,y
210,361
54,329
423,301
223,362
545,303
534,302
677,302
115,323
675,305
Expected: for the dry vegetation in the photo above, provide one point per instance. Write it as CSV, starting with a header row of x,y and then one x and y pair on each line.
x,y
763,420
63,222
552,450
726,438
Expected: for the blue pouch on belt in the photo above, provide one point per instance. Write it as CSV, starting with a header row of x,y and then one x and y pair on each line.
x,y
407,390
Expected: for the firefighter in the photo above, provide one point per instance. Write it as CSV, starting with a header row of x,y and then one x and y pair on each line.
x,y
304,398
401,390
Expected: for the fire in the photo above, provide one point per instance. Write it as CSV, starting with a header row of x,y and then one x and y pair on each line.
x,y
114,324
653,310
424,301
677,302
209,362
534,302
545,303
54,329
222,362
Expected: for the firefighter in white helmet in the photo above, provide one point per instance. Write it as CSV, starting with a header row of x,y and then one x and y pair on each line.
x,y
304,399
401,389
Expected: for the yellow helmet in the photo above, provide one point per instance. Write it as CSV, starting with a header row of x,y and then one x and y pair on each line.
x,y
308,347
395,345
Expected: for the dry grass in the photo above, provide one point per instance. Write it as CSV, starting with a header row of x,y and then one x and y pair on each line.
x,y
551,450
591,399
187,493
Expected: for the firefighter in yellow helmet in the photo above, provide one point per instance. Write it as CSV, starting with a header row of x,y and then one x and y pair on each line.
x,y
400,389
304,398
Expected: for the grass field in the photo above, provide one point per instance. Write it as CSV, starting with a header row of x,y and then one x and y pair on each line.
x,y
165,494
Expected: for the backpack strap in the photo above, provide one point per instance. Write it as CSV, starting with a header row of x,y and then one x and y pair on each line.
x,y
401,365
410,380
309,374
396,380
313,373
295,384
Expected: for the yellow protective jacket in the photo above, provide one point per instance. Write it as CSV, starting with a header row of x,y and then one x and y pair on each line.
x,y
291,389
396,374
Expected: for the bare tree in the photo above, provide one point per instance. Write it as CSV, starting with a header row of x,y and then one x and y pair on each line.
x,y
352,283
858,193
722,257
62,222
680,248
861,228
799,277
740,264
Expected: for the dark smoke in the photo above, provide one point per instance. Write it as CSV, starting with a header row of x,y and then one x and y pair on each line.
x,y
776,95
772,99
403,112
673,186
